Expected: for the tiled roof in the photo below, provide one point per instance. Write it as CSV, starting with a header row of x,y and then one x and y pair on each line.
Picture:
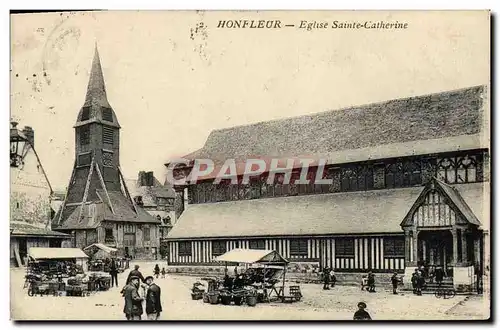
x,y
459,201
436,116
123,209
26,229
150,193
376,211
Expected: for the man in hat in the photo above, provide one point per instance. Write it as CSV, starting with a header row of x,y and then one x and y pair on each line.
x,y
135,272
361,314
133,301
153,300
326,278
395,282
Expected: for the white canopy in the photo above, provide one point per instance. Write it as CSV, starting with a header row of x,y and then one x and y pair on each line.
x,y
56,253
103,247
250,256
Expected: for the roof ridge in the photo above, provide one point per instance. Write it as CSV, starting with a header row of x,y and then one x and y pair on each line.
x,y
352,107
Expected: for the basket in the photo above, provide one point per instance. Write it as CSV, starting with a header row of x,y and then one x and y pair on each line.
x,y
251,300
205,298
213,298
197,295
225,299
238,300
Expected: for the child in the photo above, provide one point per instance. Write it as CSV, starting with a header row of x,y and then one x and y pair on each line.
x,y
361,314
163,272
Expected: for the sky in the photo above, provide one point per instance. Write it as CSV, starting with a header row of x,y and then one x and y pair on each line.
x,y
173,77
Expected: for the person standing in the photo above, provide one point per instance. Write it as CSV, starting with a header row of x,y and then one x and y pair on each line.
x,y
326,278
414,281
439,276
395,282
157,271
135,272
133,301
333,278
371,282
153,299
163,272
420,283
113,271
361,314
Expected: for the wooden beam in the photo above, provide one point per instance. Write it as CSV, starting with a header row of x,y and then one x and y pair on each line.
x,y
126,189
87,185
66,194
104,187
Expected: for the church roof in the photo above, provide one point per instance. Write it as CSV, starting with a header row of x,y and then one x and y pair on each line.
x,y
96,107
444,115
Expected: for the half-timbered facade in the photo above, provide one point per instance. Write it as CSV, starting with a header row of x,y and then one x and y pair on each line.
x,y
402,173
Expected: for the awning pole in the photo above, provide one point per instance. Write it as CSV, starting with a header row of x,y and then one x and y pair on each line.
x,y
284,276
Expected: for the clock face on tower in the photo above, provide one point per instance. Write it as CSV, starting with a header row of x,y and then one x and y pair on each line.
x,y
107,158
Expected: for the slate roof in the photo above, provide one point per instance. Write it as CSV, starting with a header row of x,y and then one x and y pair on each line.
x,y
459,201
22,229
436,116
150,193
376,211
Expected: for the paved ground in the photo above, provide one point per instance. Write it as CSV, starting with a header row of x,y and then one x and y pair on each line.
x,y
336,304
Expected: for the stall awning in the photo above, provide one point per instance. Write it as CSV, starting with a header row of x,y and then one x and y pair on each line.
x,y
103,247
56,253
249,256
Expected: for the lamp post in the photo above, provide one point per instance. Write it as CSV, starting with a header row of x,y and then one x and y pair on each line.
x,y
18,143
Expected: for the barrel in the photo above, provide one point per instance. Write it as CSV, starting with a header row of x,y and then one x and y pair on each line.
x,y
251,300
237,300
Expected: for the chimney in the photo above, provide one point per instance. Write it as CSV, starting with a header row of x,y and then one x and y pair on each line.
x,y
30,135
149,179
142,179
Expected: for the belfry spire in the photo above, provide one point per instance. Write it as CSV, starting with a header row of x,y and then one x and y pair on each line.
x,y
96,89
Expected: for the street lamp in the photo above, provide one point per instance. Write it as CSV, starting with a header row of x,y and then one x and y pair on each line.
x,y
18,144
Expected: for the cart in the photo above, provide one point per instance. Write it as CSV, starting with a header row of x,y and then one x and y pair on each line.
x,y
264,270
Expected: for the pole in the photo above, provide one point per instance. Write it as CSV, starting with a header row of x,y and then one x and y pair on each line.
x,y
284,276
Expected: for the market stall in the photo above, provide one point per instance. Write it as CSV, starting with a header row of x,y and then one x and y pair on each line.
x,y
56,271
101,256
263,279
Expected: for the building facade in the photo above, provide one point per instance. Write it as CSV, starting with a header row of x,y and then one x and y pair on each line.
x,y
30,192
98,207
409,185
157,199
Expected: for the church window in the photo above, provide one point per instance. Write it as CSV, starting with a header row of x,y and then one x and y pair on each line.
x,y
257,244
84,135
107,158
185,249
85,113
394,247
344,247
107,135
218,248
107,114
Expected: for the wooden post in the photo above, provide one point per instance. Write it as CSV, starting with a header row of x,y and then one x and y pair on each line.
x,y
464,248
415,247
455,246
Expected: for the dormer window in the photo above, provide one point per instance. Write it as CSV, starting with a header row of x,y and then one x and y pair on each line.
x,y
85,113
107,114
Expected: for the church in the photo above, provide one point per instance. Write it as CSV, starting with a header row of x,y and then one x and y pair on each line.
x,y
98,207
409,186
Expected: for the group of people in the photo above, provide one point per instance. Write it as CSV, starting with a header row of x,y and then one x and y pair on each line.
x,y
368,282
329,278
137,290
